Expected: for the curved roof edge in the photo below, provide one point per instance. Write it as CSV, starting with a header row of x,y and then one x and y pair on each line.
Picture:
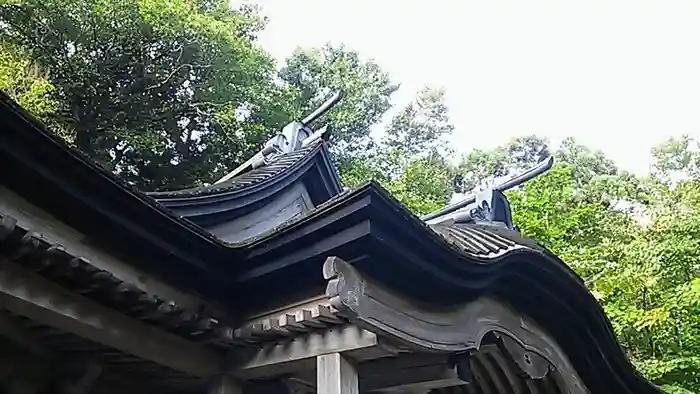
x,y
312,164
446,268
459,330
62,181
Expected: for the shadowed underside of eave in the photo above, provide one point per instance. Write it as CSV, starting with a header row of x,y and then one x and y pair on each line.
x,y
62,181
119,371
493,370
487,261
32,251
286,186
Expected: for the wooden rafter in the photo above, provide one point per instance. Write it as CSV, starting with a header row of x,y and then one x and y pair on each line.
x,y
75,243
287,356
28,294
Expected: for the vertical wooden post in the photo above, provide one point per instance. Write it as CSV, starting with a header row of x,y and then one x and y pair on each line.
x,y
335,375
224,385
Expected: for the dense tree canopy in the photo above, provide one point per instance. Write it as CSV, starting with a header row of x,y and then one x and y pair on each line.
x,y
316,73
410,158
172,94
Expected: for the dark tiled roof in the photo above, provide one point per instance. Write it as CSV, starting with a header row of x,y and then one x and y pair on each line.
x,y
271,170
483,240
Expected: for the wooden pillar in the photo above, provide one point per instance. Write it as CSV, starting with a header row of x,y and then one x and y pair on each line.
x,y
225,385
335,375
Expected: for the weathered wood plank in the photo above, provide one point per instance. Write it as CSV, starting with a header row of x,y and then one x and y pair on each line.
x,y
335,374
290,203
28,294
285,356
85,383
14,331
422,378
290,322
406,373
75,243
224,385
457,330
409,373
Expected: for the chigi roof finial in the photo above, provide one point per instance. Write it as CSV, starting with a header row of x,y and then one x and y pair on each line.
x,y
489,205
295,135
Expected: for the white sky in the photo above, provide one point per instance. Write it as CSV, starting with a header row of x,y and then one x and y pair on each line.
x,y
617,75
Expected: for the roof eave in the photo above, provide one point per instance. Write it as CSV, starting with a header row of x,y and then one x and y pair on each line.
x,y
63,182
386,239
315,170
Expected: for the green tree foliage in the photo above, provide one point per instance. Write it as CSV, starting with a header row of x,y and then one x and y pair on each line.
x,y
422,125
642,263
172,94
410,159
27,84
149,87
677,156
318,72
424,184
634,241
24,81
516,155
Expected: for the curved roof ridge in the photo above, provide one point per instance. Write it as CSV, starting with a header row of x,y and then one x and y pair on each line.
x,y
490,262
444,266
272,169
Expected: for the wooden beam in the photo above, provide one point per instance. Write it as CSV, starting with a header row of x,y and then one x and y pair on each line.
x,y
30,295
286,356
420,379
224,385
85,383
335,374
59,364
10,328
410,372
75,243
406,373
291,320
30,375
